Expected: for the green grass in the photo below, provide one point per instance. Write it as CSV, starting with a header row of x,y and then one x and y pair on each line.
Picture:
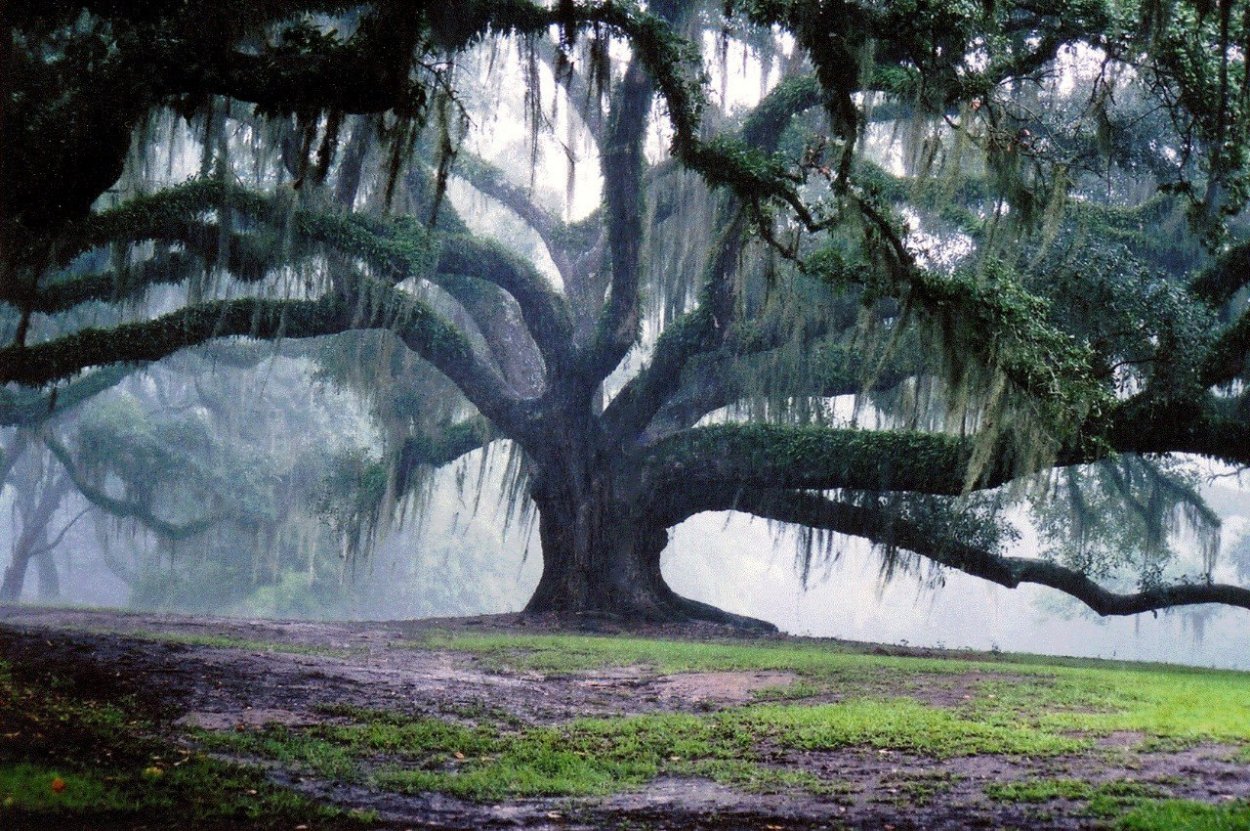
x,y
560,654
757,778
1045,790
900,724
1186,815
1133,805
1016,706
1178,705
1104,799
921,788
52,790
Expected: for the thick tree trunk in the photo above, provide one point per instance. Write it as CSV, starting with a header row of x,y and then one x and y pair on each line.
x,y
601,555
32,547
49,582
15,574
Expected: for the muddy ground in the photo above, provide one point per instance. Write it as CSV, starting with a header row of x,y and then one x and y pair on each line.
x,y
373,665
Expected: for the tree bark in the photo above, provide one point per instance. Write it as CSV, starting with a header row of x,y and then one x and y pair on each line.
x,y
14,577
601,545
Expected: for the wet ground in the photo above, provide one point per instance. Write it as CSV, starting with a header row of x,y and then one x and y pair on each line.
x,y
177,668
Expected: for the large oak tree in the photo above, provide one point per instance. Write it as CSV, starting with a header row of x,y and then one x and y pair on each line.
x,y
1010,229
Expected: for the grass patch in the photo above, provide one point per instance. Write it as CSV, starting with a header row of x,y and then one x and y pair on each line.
x,y
1186,815
47,790
792,692
1166,705
291,748
900,724
563,654
1046,790
1055,695
1105,800
762,779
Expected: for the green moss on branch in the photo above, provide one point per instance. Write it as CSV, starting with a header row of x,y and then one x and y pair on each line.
x,y
814,457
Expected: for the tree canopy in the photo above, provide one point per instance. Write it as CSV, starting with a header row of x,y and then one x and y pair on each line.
x,y
947,258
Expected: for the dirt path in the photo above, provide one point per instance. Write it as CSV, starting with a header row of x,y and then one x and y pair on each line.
x,y
176,666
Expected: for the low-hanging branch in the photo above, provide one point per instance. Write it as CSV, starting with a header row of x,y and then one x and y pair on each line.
x,y
885,528
171,268
1202,424
395,250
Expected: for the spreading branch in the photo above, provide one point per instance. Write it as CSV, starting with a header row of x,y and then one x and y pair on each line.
x,y
126,509
373,306
887,529
441,448
760,455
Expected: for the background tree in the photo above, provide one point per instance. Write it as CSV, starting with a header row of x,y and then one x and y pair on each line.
x,y
786,256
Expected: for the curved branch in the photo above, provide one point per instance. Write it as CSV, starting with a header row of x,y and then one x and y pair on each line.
x,y
123,509
700,330
48,546
449,444
496,317
1222,279
727,378
884,528
1228,356
396,250
705,327
62,295
1202,424
492,181
374,306
546,314
154,339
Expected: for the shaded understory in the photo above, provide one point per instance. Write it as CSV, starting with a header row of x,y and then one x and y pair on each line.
x,y
111,721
